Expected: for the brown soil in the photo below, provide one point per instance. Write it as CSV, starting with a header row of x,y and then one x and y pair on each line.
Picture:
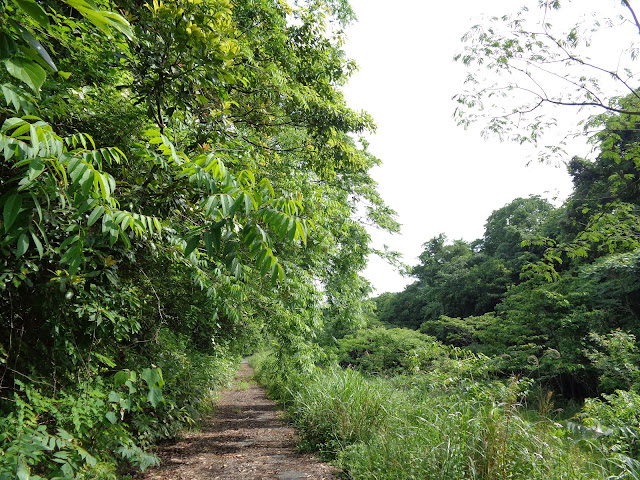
x,y
245,438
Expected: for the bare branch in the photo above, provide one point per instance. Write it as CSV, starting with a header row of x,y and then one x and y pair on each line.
x,y
572,82
595,67
592,104
635,19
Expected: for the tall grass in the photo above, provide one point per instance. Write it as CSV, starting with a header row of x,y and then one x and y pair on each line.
x,y
431,426
335,409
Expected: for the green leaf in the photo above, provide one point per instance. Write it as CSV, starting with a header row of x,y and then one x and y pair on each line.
x,y
36,167
95,215
68,241
71,254
75,263
111,416
35,11
216,233
85,204
104,20
261,256
155,396
120,377
236,268
103,183
37,206
126,222
291,232
248,203
11,210
19,102
114,233
64,435
20,129
255,248
266,264
191,245
29,72
86,456
86,181
8,46
236,204
35,45
23,245
301,233
225,202
35,141
152,376
38,244
119,23
75,167
22,473
277,273
208,243
115,397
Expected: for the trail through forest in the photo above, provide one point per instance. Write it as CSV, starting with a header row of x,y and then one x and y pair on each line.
x,y
245,438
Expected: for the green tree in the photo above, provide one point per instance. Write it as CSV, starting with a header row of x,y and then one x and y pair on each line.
x,y
224,216
507,227
465,279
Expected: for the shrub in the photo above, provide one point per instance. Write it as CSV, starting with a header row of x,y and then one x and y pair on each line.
x,y
615,421
107,422
389,351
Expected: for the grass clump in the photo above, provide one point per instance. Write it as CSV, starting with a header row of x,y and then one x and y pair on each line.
x,y
466,432
337,408
453,422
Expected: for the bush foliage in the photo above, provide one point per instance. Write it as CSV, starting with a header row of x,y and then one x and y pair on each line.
x,y
452,422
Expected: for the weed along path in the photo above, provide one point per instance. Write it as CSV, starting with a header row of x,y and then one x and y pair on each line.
x,y
245,438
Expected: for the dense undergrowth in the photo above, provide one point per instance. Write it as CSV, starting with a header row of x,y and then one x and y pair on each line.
x,y
446,415
106,424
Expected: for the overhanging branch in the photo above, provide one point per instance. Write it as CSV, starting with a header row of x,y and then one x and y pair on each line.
x,y
635,19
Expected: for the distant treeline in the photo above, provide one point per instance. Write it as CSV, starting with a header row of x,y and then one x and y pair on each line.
x,y
553,292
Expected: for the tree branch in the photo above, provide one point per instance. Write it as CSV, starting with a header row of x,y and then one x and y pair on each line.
x,y
603,70
635,19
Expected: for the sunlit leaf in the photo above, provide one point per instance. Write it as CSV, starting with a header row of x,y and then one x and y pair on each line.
x,y
27,71
35,45
95,215
111,416
35,11
155,396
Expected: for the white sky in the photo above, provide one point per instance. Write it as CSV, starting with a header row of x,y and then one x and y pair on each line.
x,y
437,176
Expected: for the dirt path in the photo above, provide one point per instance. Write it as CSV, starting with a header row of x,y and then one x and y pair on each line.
x,y
245,438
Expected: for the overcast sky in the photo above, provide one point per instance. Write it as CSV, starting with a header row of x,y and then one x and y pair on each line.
x,y
437,176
